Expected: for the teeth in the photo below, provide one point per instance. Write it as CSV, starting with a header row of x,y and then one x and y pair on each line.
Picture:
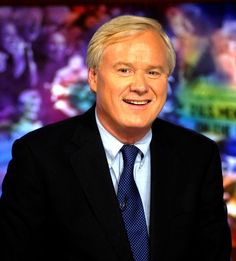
x,y
137,102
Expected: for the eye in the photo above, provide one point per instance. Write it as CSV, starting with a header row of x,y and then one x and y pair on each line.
x,y
124,71
154,74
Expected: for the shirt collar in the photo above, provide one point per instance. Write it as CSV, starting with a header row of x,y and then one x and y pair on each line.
x,y
113,150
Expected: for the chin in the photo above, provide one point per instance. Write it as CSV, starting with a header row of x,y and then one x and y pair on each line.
x,y
140,123
137,126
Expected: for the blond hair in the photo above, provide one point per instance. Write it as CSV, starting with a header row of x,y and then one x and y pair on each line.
x,y
121,27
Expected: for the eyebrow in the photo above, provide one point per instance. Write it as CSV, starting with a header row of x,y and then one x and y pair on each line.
x,y
122,63
161,68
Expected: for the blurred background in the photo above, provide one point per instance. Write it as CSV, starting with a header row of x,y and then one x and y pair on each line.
x,y
43,76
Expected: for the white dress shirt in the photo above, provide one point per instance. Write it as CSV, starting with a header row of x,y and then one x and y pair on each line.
x,y
142,165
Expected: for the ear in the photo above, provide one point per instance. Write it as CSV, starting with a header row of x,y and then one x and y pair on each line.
x,y
92,79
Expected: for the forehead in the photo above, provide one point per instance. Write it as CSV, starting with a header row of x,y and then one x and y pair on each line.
x,y
146,46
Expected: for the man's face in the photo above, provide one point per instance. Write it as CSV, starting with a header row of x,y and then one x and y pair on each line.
x,y
131,85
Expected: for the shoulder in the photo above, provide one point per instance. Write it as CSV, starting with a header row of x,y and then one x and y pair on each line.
x,y
58,133
180,136
52,132
185,147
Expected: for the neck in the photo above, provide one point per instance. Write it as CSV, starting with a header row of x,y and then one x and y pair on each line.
x,y
126,135
129,135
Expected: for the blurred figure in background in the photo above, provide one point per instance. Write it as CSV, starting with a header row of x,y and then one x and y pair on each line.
x,y
21,71
224,53
70,92
191,38
26,118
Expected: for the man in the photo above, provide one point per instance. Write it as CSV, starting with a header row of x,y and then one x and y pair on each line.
x,y
61,192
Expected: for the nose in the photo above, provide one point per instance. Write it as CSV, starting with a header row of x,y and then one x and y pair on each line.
x,y
139,84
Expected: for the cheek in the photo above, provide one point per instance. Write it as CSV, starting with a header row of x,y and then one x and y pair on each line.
x,y
113,90
164,91
161,90
106,93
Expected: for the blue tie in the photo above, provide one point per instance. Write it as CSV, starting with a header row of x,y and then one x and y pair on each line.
x,y
131,206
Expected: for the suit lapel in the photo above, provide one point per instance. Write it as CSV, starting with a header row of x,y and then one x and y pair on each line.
x,y
90,165
161,169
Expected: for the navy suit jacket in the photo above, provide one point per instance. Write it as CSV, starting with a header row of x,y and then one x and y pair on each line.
x,y
58,200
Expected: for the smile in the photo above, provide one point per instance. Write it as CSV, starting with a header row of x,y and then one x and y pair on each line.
x,y
135,102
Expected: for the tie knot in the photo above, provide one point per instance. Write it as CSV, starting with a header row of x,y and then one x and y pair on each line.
x,y
129,153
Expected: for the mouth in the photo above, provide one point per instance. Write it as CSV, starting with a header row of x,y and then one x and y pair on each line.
x,y
136,102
